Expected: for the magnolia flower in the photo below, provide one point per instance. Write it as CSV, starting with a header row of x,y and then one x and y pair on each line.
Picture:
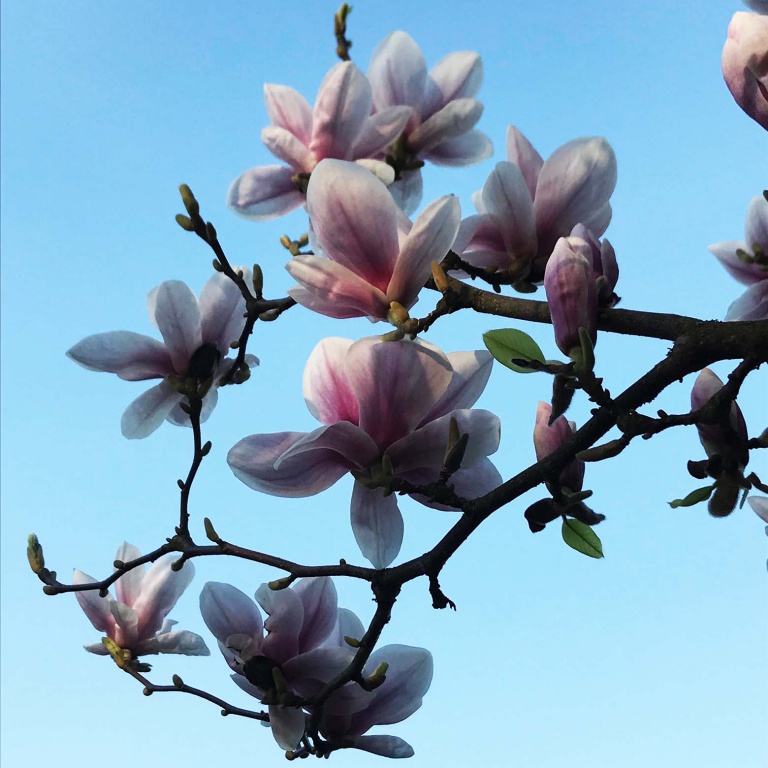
x,y
547,438
759,506
136,620
745,64
300,619
197,334
445,110
367,254
386,408
527,204
604,265
340,126
747,262
571,292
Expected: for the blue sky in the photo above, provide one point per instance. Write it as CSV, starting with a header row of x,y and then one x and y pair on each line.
x,y
655,655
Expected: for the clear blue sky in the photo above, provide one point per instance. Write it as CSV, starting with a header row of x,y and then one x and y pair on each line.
x,y
655,655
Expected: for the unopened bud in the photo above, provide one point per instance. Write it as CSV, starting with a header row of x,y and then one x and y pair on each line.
x,y
118,564
190,203
177,565
185,222
257,280
378,677
210,531
178,682
351,642
35,554
279,584
605,451
397,314
440,278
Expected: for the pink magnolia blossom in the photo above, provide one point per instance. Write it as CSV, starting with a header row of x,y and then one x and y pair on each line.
x,y
753,303
527,204
571,292
340,126
745,64
445,110
136,620
196,337
367,254
384,406
547,438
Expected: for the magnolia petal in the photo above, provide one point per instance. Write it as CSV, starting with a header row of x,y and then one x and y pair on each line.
x,y
347,625
177,314
318,596
480,242
520,151
147,412
126,626
264,192
132,356
347,440
354,218
334,290
228,611
407,191
471,371
396,384
454,119
380,130
759,506
286,147
285,611
377,524
425,448
756,224
96,608
160,590
386,746
183,642
456,76
384,172
97,648
287,724
752,304
429,240
249,688
308,672
471,147
341,110
327,392
180,418
725,253
222,307
397,72
128,586
288,109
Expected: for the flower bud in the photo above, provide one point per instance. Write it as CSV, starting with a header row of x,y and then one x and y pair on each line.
x,y
35,554
571,292
547,439
604,265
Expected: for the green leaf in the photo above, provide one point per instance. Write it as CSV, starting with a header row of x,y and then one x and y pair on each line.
x,y
508,343
694,497
582,538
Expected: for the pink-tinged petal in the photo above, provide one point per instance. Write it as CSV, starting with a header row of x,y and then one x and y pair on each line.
x,y
386,746
147,412
396,383
347,625
425,448
725,253
318,595
380,130
756,223
471,371
126,633
285,618
183,642
179,418
759,506
469,148
384,172
507,200
377,524
319,460
398,72
745,64
751,305
408,679
177,314
354,218
286,147
480,242
132,356
520,151
407,191
308,672
128,586
429,240
228,611
160,591
249,688
96,608
334,290
342,108
548,438
287,724
574,186
456,76
221,310
288,109
452,120
327,392
264,193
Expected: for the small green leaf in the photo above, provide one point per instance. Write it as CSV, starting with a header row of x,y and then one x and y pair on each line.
x,y
694,497
582,538
508,343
